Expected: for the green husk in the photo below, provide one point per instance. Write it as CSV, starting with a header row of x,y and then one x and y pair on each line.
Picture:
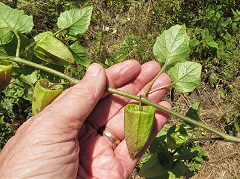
x,y
137,126
52,50
44,93
6,70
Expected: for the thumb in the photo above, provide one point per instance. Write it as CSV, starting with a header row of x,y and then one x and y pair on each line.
x,y
74,105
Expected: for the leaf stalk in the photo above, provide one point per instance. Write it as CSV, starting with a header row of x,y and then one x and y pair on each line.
x,y
18,44
147,90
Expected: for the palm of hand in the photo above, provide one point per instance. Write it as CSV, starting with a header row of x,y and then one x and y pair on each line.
x,y
100,158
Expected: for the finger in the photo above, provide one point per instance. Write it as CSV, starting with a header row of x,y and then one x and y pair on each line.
x,y
75,104
122,73
121,151
118,75
116,124
114,103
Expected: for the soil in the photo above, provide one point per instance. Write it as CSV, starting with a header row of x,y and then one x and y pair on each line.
x,y
224,157
223,163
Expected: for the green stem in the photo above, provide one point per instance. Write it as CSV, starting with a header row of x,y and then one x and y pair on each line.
x,y
147,90
128,95
157,89
28,48
41,67
18,44
161,87
58,32
196,139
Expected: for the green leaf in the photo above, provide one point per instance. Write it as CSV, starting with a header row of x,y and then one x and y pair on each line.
x,y
180,169
235,27
75,21
226,21
159,143
185,76
13,21
194,112
1,120
137,126
79,54
10,48
194,42
237,127
3,52
30,78
153,167
176,136
172,46
186,154
213,45
223,94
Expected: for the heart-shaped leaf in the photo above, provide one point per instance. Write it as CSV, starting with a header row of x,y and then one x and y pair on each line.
x,y
172,46
185,76
44,93
75,21
137,126
13,21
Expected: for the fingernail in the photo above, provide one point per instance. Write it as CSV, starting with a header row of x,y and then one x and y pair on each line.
x,y
93,70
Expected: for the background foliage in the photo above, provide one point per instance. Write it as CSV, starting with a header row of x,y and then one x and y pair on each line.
x,y
122,30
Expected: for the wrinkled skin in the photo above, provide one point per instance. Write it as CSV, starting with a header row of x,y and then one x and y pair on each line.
x,y
65,141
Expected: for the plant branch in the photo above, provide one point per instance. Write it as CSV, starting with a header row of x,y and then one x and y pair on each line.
x,y
128,95
41,67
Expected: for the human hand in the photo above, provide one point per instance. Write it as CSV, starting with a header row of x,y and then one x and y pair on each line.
x,y
65,141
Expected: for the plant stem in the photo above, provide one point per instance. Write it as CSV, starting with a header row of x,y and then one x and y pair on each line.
x,y
157,89
58,32
147,90
195,139
41,67
128,95
18,44
28,48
